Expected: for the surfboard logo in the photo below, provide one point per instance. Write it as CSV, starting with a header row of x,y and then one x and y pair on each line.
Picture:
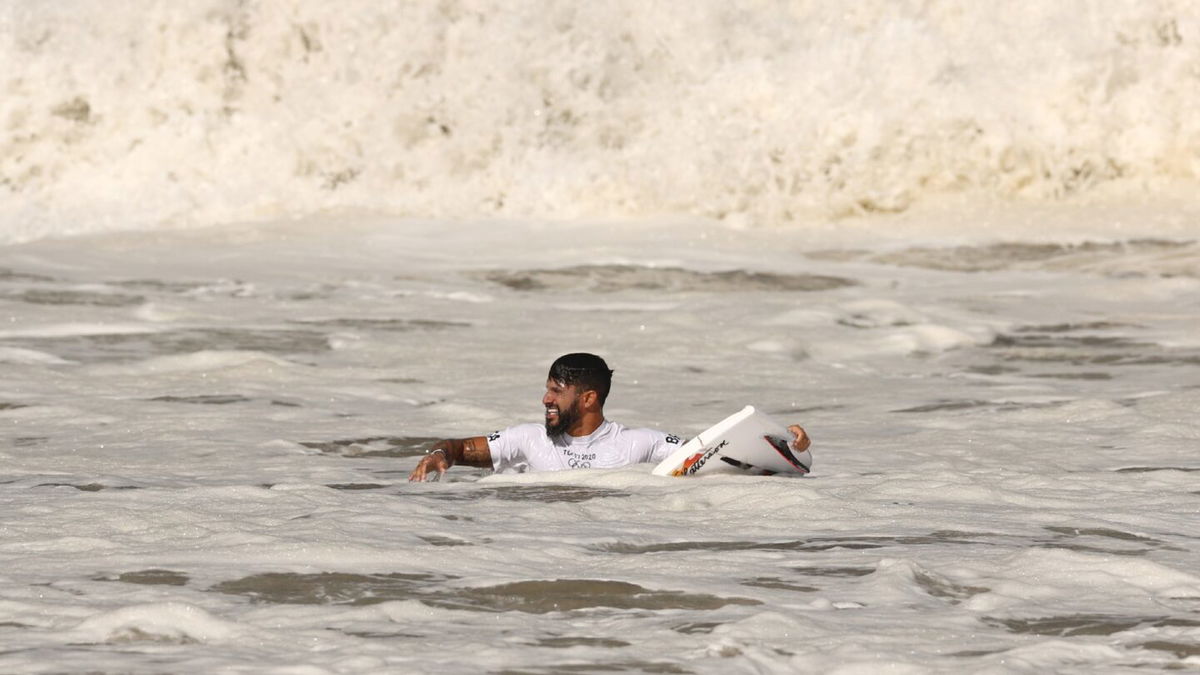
x,y
692,464
784,448
687,464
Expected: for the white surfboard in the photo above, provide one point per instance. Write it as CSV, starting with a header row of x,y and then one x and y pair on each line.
x,y
746,442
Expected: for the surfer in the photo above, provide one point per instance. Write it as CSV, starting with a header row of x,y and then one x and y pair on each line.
x,y
575,434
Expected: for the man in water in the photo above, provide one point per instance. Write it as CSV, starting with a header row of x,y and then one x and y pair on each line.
x,y
574,436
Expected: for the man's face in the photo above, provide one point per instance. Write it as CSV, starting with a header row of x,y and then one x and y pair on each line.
x,y
562,406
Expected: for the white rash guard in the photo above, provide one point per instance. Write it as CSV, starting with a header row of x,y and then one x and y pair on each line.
x,y
527,447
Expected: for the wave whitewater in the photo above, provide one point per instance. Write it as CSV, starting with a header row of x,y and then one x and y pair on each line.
x,y
165,113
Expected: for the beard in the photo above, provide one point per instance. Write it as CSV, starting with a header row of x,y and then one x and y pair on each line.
x,y
566,418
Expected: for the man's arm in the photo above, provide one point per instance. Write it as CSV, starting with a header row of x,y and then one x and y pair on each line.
x,y
472,451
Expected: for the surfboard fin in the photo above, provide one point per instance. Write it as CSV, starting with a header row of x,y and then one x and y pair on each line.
x,y
748,468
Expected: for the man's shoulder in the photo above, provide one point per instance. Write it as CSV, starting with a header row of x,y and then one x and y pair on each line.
x,y
645,433
526,430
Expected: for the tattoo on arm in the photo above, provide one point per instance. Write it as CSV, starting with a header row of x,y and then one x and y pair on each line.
x,y
474,451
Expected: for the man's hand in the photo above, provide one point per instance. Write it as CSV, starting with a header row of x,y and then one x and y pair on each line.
x,y
801,442
435,461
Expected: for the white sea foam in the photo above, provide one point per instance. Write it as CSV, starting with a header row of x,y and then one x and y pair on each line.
x,y
219,111
28,356
76,329
170,621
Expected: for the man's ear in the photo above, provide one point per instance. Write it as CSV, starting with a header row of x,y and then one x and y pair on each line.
x,y
591,398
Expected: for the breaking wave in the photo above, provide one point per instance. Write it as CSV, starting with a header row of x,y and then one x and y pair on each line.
x,y
165,113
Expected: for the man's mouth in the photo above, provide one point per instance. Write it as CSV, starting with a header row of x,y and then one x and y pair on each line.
x,y
551,412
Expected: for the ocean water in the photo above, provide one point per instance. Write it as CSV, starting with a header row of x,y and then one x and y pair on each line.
x,y
256,257
206,437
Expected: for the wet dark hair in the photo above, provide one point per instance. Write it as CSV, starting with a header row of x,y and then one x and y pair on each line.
x,y
586,371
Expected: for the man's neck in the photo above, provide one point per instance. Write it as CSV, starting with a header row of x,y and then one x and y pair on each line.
x,y
587,425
